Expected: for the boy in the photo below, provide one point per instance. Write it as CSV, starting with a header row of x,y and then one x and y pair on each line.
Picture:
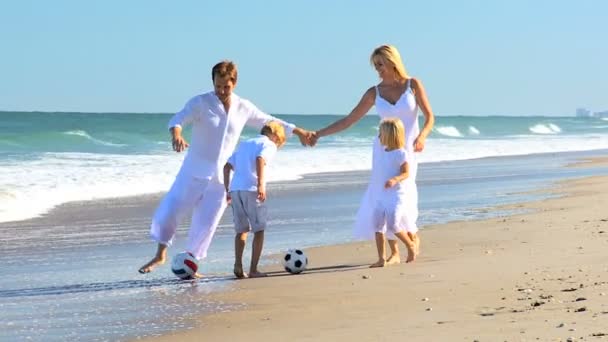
x,y
247,192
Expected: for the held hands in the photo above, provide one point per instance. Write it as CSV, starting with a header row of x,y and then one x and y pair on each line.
x,y
307,138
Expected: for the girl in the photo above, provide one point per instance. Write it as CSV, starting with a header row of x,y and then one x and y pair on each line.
x,y
390,206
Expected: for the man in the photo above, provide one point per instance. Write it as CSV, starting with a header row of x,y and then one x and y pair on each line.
x,y
218,118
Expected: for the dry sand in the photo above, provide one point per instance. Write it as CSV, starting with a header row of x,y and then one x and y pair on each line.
x,y
542,275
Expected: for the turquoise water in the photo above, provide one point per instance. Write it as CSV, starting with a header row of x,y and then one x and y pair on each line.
x,y
80,280
52,158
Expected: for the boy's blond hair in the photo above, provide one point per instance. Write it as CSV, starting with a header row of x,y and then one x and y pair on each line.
x,y
392,133
276,128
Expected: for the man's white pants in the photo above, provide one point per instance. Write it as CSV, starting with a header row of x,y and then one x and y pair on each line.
x,y
205,197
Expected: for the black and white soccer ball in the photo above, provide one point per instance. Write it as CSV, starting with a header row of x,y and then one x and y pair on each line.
x,y
184,266
295,261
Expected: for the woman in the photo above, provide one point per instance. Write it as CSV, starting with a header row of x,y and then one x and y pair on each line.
x,y
397,95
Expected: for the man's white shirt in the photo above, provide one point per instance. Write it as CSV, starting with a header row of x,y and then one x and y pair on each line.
x,y
215,134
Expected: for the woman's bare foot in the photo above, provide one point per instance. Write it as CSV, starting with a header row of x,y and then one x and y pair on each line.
x,y
156,261
393,259
257,274
238,271
379,263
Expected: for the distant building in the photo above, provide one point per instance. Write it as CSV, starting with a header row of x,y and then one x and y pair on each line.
x,y
585,113
603,114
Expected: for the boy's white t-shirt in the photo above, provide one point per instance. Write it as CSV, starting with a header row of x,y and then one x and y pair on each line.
x,y
245,177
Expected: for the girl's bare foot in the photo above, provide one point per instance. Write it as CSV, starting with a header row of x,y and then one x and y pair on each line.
x,y
257,274
393,259
379,263
417,245
238,271
156,261
411,254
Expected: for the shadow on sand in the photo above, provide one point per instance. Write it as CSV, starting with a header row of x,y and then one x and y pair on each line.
x,y
131,284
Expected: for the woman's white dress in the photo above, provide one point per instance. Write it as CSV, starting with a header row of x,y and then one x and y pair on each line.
x,y
405,109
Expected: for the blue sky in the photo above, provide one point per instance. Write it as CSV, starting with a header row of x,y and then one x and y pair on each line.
x,y
474,57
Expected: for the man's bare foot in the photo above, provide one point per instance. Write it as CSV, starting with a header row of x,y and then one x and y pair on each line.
x,y
156,261
257,274
393,259
238,271
379,263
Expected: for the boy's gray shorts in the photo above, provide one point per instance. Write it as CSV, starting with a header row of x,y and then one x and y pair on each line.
x,y
248,212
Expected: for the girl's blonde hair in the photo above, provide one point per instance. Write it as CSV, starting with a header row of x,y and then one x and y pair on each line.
x,y
392,133
390,54
276,128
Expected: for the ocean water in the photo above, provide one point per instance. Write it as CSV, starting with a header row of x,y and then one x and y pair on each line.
x,y
52,158
70,273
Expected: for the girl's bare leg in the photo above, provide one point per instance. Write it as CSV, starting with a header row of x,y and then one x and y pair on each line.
x,y
416,240
381,252
394,258
409,244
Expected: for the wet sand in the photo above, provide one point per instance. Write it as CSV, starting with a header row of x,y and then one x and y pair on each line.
x,y
541,275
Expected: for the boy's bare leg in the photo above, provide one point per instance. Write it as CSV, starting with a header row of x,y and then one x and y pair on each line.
x,y
416,240
159,259
381,251
239,246
409,244
256,252
394,258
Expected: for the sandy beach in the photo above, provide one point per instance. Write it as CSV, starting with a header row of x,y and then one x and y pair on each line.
x,y
539,275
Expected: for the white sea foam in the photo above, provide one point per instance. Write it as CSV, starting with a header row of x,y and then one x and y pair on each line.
x,y
31,188
545,129
473,130
449,131
84,134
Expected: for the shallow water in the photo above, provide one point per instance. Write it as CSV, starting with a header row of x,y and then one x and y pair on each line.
x,y
71,275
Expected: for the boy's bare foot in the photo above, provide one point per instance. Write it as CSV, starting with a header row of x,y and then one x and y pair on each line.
x,y
379,263
197,276
238,271
393,259
156,261
257,274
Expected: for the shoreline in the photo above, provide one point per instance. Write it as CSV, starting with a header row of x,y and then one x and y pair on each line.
x,y
96,247
584,159
534,275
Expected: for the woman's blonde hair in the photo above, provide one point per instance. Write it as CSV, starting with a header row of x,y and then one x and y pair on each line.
x,y
392,133
276,128
390,54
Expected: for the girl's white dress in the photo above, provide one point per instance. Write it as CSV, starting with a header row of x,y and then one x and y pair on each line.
x,y
405,109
